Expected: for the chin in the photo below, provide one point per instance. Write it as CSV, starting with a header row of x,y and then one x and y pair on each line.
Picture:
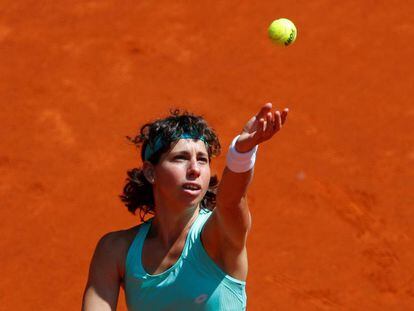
x,y
194,201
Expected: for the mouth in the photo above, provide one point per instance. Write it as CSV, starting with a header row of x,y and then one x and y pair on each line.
x,y
192,188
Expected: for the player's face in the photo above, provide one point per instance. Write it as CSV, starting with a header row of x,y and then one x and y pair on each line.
x,y
183,174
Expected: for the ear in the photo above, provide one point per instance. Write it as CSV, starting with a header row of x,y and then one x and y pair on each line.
x,y
149,172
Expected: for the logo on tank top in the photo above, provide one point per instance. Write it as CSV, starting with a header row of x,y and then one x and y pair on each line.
x,y
200,299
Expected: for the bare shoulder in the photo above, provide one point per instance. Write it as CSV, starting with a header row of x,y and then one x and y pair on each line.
x,y
114,246
106,271
118,240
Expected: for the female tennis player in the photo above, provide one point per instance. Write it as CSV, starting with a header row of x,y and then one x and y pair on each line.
x,y
191,255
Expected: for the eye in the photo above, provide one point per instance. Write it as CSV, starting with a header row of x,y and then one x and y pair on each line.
x,y
179,157
204,160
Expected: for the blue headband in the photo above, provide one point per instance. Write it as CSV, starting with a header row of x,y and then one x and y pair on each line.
x,y
159,143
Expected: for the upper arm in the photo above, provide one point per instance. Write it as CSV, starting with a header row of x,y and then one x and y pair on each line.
x,y
233,223
232,219
102,288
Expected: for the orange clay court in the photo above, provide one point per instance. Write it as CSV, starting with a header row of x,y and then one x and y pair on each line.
x,y
333,195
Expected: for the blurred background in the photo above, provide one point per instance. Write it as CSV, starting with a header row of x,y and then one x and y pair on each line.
x,y
333,195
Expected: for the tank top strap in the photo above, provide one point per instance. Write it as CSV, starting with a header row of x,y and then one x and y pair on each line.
x,y
134,255
198,225
195,231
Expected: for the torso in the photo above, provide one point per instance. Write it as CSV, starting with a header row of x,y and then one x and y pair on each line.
x,y
155,259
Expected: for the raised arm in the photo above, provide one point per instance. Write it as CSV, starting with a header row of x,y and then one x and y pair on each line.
x,y
232,210
102,288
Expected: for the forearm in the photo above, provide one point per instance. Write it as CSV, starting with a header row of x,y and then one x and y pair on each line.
x,y
242,154
233,187
237,174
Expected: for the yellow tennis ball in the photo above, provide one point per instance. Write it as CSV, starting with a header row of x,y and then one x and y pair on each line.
x,y
282,31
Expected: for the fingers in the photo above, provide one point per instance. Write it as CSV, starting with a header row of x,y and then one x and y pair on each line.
x,y
275,122
264,110
284,115
267,108
270,122
281,117
266,124
278,121
262,126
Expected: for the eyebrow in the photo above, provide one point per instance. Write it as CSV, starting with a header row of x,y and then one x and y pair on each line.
x,y
187,153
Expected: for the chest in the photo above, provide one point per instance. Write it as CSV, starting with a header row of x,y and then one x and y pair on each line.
x,y
157,259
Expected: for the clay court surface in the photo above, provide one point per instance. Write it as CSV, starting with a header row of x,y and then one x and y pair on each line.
x,y
332,200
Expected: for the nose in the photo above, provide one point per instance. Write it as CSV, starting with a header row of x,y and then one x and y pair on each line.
x,y
193,170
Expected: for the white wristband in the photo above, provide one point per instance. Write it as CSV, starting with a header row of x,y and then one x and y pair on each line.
x,y
240,162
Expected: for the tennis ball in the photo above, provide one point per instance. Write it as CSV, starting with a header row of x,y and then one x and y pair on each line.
x,y
282,31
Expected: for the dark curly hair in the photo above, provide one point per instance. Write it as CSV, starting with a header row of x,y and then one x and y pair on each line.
x,y
137,192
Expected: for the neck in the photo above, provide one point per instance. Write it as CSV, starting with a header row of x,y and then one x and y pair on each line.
x,y
169,224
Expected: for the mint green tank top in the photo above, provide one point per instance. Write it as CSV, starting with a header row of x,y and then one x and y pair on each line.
x,y
194,282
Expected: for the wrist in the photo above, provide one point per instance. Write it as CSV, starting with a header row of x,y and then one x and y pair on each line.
x,y
243,149
240,162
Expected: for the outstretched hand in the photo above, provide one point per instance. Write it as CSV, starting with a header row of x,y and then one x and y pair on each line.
x,y
261,127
